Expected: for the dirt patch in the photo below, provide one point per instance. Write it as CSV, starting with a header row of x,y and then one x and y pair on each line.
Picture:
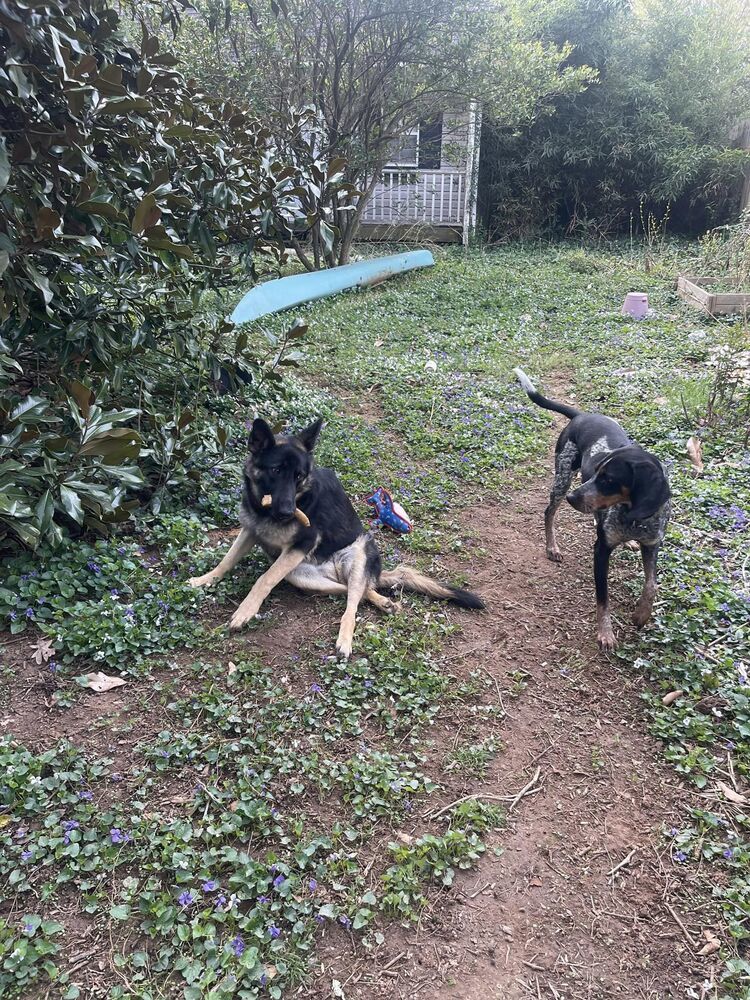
x,y
570,901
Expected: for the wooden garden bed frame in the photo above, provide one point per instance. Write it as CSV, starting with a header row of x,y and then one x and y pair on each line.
x,y
694,291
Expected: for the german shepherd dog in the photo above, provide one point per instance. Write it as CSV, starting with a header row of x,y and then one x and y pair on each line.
x,y
330,554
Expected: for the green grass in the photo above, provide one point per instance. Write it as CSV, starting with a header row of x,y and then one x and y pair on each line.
x,y
245,819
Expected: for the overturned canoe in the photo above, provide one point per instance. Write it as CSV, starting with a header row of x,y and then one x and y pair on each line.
x,y
283,293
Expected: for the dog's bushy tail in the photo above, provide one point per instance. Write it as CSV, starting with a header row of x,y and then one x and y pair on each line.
x,y
540,400
410,579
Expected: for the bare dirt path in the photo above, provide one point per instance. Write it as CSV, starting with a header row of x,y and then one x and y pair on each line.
x,y
571,900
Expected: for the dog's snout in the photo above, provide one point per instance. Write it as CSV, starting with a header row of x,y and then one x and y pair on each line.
x,y
576,501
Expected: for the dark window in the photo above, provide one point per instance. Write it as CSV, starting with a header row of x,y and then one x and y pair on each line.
x,y
430,143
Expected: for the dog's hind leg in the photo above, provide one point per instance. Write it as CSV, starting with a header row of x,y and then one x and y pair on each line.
x,y
315,580
287,561
645,604
239,548
566,463
384,604
357,583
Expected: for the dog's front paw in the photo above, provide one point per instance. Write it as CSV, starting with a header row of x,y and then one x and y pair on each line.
x,y
242,616
201,581
392,607
606,640
555,555
343,649
641,614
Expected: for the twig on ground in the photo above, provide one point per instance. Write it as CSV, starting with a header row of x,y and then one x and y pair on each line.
x,y
625,861
477,891
689,937
497,688
401,954
527,789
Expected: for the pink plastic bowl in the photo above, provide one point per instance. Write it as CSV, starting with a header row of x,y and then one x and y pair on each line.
x,y
635,305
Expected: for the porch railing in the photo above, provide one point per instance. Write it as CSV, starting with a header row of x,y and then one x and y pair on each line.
x,y
406,197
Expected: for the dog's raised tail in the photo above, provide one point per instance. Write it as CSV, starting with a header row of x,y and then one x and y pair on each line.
x,y
410,579
540,400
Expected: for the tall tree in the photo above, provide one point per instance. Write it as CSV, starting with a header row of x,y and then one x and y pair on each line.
x,y
371,69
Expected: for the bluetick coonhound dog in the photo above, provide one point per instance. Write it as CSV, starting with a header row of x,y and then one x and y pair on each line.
x,y
624,487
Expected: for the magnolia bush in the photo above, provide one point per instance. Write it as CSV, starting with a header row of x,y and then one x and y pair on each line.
x,y
122,190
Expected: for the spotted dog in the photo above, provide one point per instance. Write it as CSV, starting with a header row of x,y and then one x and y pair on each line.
x,y
624,487
303,520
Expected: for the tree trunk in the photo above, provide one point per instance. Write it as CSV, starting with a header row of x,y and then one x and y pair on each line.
x,y
354,219
302,256
316,246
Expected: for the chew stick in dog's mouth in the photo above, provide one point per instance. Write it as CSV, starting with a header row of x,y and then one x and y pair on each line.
x,y
299,514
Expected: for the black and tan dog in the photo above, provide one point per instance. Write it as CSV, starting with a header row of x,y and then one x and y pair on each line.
x,y
624,487
303,520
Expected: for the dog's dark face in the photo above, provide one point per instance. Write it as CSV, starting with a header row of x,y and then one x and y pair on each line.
x,y
627,476
279,468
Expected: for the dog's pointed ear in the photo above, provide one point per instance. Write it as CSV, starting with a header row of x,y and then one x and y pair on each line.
x,y
308,438
650,491
261,437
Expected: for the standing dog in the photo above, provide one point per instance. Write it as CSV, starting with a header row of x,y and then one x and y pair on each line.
x,y
624,487
330,554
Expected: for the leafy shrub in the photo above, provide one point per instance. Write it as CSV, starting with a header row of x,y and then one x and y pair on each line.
x,y
655,126
121,190
725,253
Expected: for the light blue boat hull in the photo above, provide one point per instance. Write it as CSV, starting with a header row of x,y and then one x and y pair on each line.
x,y
283,293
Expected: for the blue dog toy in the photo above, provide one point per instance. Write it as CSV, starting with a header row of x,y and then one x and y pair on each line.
x,y
387,513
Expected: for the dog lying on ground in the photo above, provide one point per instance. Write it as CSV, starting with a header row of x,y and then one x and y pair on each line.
x,y
330,554
624,487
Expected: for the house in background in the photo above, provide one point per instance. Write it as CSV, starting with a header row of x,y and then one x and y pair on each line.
x,y
429,187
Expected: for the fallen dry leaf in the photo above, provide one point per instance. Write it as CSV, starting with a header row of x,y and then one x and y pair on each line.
x,y
404,838
231,669
271,971
731,795
379,343
43,651
695,453
100,682
668,699
712,943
